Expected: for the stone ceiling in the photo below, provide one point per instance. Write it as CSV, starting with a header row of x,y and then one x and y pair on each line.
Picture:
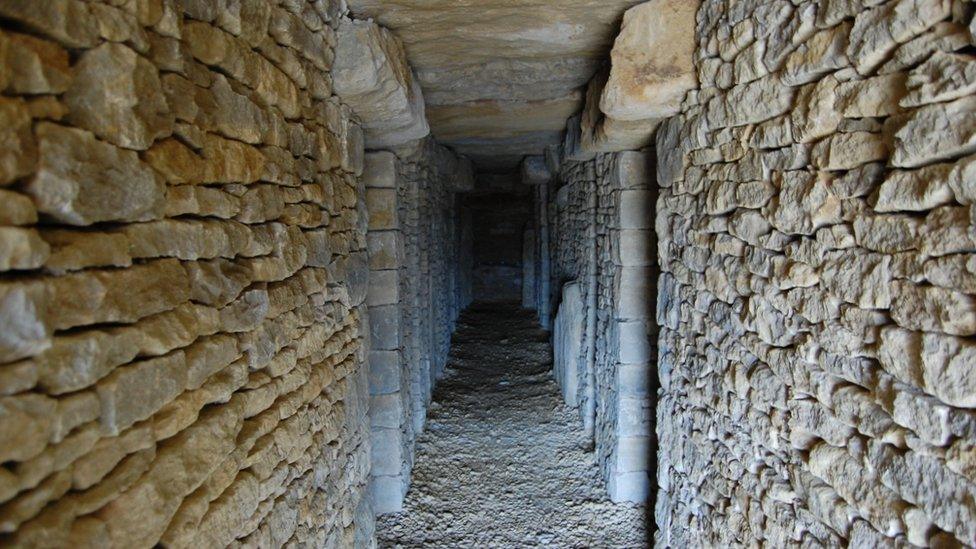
x,y
500,77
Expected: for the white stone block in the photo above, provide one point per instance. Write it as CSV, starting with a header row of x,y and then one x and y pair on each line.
x,y
387,492
387,451
634,340
635,169
634,297
381,204
652,61
632,487
636,209
384,288
385,250
636,380
386,411
636,248
568,334
384,372
634,417
634,454
380,170
384,327
528,269
535,170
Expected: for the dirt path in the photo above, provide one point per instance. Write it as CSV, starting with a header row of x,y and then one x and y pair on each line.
x,y
502,462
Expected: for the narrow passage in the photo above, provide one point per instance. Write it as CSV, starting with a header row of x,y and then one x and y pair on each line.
x,y
503,461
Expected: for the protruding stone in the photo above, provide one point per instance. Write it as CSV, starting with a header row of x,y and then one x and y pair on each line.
x,y
117,95
372,76
35,66
67,21
81,180
651,61
936,132
19,152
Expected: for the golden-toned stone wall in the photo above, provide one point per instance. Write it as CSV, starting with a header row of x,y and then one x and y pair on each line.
x,y
183,275
818,297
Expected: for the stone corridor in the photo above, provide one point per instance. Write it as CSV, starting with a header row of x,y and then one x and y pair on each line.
x,y
722,256
503,462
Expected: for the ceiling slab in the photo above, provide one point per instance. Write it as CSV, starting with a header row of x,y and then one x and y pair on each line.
x,y
500,70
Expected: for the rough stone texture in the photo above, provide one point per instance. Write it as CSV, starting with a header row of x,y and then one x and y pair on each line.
x,y
415,296
651,67
182,318
651,61
502,60
602,241
371,74
816,302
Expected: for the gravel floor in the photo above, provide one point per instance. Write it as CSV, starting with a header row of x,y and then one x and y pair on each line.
x,y
502,463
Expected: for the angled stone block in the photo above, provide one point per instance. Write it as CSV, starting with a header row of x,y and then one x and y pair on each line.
x,y
371,75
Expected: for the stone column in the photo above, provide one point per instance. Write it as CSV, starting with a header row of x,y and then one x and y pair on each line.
x,y
385,243
633,238
528,268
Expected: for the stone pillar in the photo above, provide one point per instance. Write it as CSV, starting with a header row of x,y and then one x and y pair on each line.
x,y
386,413
633,238
544,289
528,268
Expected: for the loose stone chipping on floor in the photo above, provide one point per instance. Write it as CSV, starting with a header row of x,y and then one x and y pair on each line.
x,y
503,462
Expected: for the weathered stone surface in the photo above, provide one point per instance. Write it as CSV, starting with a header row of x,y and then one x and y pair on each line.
x,y
535,171
163,232
936,132
68,21
601,133
933,309
371,74
815,237
21,249
946,368
804,204
116,94
34,65
651,61
19,151
23,315
470,57
16,209
944,77
81,180
877,31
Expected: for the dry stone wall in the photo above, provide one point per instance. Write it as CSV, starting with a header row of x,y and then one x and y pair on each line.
x,y
419,283
601,250
184,274
817,303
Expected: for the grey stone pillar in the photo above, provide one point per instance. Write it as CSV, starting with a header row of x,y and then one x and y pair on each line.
x,y
528,268
635,329
386,412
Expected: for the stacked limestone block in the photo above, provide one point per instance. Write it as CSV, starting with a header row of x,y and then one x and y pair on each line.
x,y
416,293
605,366
184,273
626,354
818,303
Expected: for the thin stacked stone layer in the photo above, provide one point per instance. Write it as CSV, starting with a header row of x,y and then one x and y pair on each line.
x,y
182,247
818,304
